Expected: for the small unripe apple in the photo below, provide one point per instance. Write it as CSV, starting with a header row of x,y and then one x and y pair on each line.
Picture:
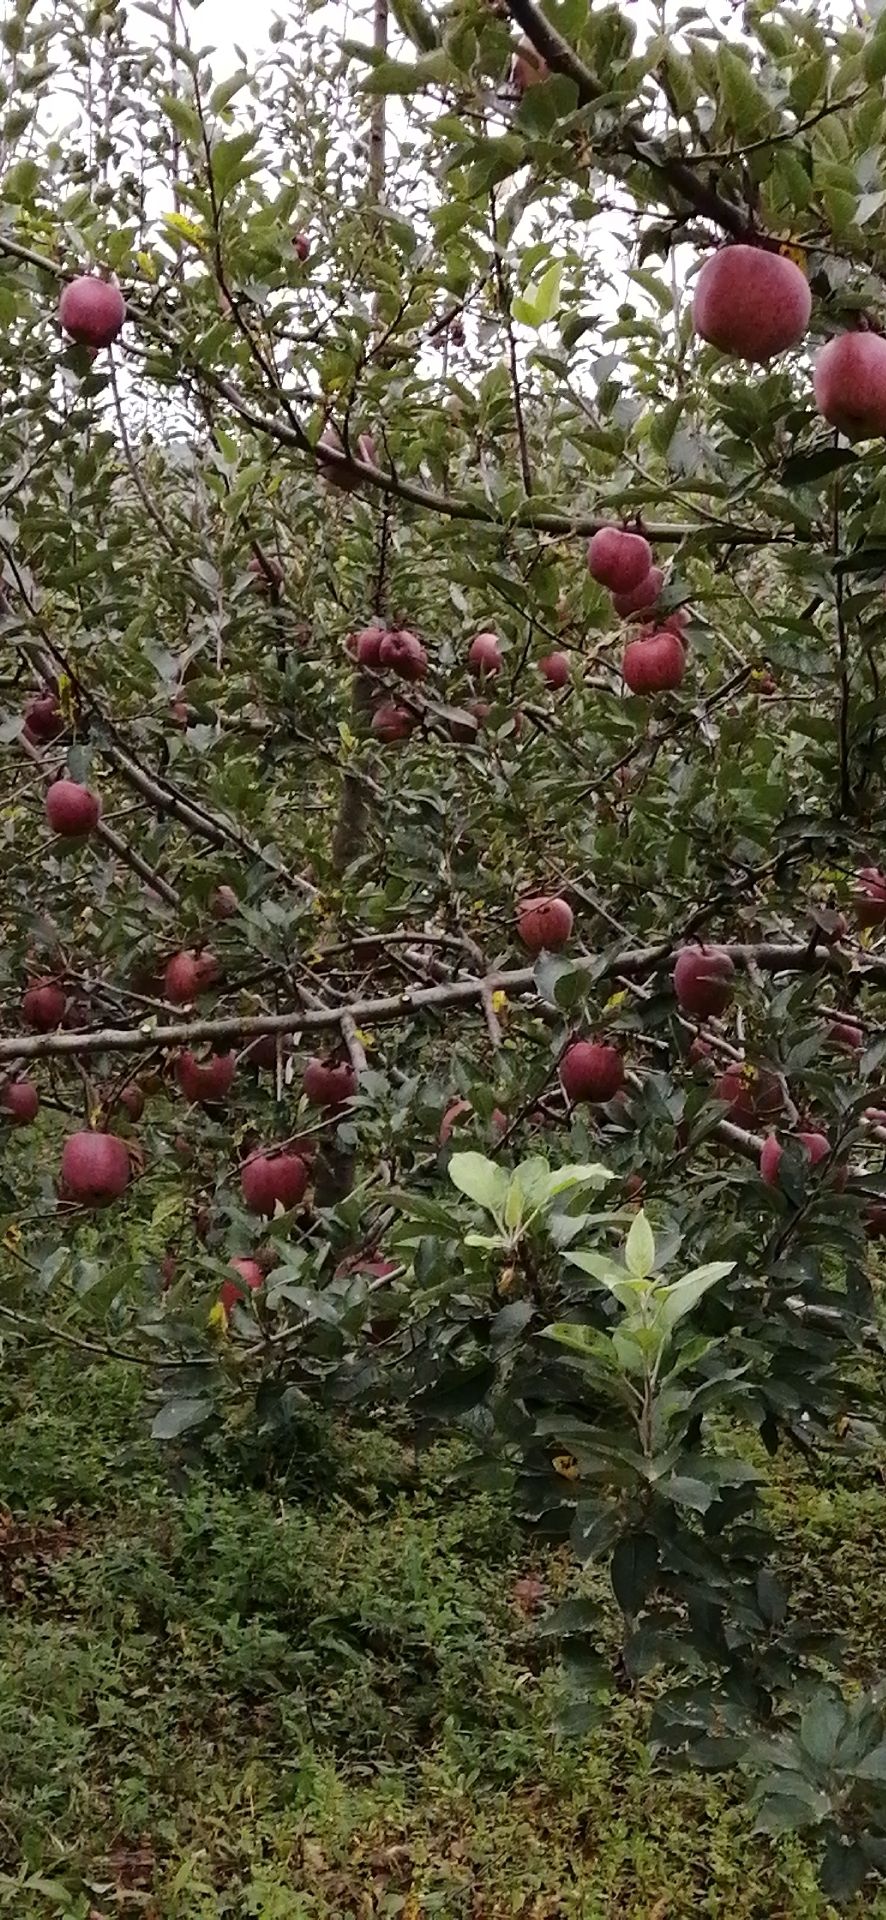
x,y
817,1146
189,974
591,1070
544,922
619,560
751,303
249,1273
849,379
751,1093
205,1081
402,652
485,655
528,67
641,598
656,665
223,903
43,1005
391,722
367,646
869,901
703,980
91,311
44,720
329,1083
95,1168
268,1177
846,1035
72,811
555,669
20,1100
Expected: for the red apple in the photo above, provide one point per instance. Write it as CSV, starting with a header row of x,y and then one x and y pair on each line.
x,y
205,1081
869,902
249,1271
43,1005
751,303
21,1101
329,1083
459,1111
555,669
402,652
817,1146
640,598
656,665
391,722
223,903
846,1035
700,1053
189,974
751,1093
44,720
268,1177
72,811
874,1218
591,1070
95,1168
544,922
91,311
849,379
528,67
485,655
132,1100
619,560
366,646
301,245
703,980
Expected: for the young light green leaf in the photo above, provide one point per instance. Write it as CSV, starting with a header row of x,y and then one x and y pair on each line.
x,y
513,1211
480,1179
640,1248
672,1303
590,1174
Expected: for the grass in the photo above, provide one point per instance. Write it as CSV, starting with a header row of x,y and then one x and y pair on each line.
x,y
315,1698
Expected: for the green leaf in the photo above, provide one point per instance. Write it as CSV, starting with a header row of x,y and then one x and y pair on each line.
x,y
640,1248
874,1766
183,117
180,1416
672,1303
634,1571
480,1179
747,108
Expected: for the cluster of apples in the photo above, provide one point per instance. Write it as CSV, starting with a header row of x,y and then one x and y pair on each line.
x,y
622,561
591,1070
396,650
752,302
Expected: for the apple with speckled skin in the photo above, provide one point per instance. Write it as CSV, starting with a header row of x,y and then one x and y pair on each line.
x,y
95,1168
849,380
591,1070
751,303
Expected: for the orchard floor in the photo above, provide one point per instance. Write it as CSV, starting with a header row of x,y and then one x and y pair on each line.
x,y
218,1698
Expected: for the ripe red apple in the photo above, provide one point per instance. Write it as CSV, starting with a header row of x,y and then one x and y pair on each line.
x,y
703,980
845,1034
44,720
817,1146
21,1101
700,1053
528,67
72,811
869,902
656,665
544,922
485,655
391,722
95,1168
402,652
204,1081
366,646
849,379
751,303
555,669
249,1271
268,1177
640,598
301,245
751,1093
591,1070
619,560
91,311
329,1083
188,974
223,903
267,574
43,1005
132,1100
